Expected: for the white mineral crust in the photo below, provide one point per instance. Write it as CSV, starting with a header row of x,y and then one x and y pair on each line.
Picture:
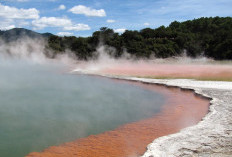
x,y
211,137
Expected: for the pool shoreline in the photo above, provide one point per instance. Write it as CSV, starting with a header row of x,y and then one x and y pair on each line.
x,y
64,149
211,136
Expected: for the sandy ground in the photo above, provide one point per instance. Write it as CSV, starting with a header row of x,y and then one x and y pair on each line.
x,y
182,109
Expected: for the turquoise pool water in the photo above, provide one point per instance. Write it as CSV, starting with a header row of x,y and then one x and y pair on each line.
x,y
41,106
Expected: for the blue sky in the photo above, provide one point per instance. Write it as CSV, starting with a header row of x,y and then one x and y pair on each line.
x,y
82,17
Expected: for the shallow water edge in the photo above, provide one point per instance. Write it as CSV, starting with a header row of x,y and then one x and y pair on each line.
x,y
105,144
210,137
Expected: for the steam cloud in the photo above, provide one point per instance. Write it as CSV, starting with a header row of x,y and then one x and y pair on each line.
x,y
35,50
26,49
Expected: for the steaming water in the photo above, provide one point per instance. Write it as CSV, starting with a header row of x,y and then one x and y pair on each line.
x,y
40,106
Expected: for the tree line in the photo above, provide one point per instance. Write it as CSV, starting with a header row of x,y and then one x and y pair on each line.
x,y
210,37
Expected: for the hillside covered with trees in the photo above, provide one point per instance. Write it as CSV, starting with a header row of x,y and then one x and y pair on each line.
x,y
19,33
210,37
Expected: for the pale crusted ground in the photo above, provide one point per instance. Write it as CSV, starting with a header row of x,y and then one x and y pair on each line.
x,y
212,137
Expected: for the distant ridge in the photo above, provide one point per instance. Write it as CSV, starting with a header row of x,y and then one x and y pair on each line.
x,y
18,33
206,36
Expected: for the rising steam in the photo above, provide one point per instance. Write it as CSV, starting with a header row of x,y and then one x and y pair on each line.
x,y
35,50
25,49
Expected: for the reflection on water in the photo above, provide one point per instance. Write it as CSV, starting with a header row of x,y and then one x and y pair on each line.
x,y
41,107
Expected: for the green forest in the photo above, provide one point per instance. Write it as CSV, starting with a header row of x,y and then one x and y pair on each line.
x,y
210,37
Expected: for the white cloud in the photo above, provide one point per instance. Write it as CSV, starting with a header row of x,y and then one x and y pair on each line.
x,y
146,24
12,17
7,27
62,7
64,23
51,22
87,11
110,21
22,23
77,27
120,30
6,24
65,34
15,13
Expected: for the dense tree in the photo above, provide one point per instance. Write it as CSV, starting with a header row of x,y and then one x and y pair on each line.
x,y
211,37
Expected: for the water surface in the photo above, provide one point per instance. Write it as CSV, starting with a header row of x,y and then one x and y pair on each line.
x,y
41,106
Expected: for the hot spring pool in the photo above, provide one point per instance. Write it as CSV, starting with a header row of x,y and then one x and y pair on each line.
x,y
40,106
